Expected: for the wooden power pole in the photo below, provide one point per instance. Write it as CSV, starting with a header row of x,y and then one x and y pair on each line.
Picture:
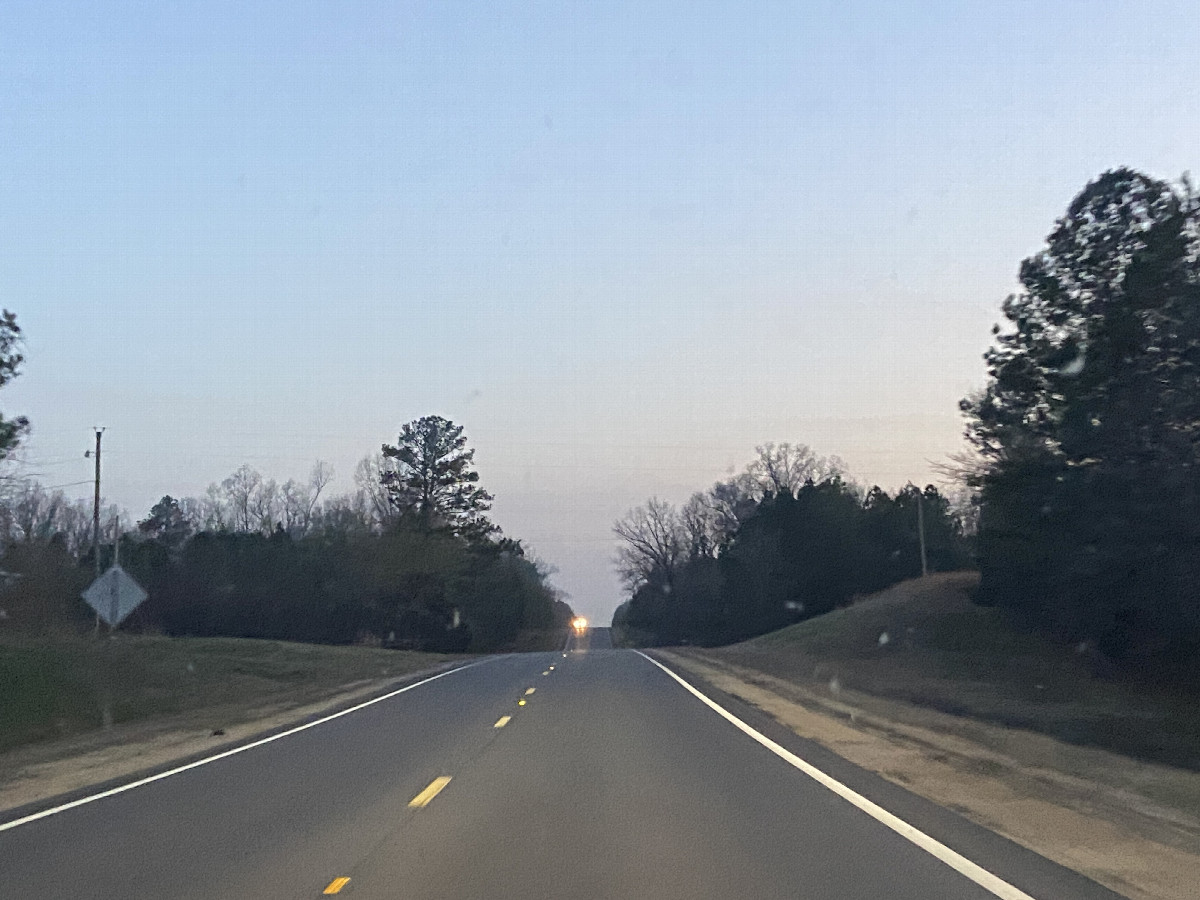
x,y
921,531
96,505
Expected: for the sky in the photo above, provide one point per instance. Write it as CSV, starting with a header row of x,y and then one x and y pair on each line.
x,y
621,243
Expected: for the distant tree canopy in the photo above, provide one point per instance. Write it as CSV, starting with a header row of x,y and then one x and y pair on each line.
x,y
255,558
1089,426
786,539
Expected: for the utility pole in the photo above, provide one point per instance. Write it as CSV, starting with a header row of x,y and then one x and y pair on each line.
x,y
96,504
921,531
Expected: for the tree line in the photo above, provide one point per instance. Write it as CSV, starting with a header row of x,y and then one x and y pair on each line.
x,y
788,538
1083,468
1084,474
410,559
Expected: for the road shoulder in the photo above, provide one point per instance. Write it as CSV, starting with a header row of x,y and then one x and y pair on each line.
x,y
1087,816
41,776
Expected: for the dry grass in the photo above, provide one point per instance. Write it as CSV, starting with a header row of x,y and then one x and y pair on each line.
x,y
63,687
925,643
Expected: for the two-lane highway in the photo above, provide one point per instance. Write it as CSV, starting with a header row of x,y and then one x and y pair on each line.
x,y
590,773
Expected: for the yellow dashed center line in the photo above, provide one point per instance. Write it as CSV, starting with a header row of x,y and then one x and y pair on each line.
x,y
521,702
336,885
530,691
435,787
502,721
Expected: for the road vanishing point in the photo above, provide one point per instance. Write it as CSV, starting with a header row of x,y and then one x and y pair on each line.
x,y
587,773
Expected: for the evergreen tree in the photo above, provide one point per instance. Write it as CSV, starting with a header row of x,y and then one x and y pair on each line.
x,y
11,430
1090,423
431,481
166,523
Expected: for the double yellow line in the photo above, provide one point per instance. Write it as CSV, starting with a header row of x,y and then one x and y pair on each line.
x,y
426,796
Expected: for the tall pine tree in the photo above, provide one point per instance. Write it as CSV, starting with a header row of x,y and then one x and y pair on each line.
x,y
1090,423
431,481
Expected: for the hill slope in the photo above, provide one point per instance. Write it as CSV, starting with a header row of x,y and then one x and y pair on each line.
x,y
925,643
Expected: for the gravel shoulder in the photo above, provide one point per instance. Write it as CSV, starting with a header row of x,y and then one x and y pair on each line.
x,y
1132,826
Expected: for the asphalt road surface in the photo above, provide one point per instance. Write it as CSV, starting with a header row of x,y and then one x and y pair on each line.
x,y
585,774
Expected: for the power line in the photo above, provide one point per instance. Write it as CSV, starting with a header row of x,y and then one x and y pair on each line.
x,y
64,461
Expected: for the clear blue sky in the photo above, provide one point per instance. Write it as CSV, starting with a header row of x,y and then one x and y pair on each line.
x,y
621,243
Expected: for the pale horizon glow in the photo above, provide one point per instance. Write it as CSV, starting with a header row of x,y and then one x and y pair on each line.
x,y
621,244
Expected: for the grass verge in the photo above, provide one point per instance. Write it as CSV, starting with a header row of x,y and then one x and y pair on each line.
x,y
71,686
925,643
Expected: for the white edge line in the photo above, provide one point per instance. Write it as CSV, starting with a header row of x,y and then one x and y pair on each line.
x,y
954,860
120,789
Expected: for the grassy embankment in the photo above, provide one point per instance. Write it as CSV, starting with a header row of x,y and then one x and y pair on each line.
x,y
55,688
923,642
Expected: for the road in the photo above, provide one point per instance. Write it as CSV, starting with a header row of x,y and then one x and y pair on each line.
x,y
589,774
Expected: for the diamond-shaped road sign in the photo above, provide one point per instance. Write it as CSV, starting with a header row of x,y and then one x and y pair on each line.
x,y
114,595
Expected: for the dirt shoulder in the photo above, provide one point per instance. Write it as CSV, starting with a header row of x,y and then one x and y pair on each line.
x,y
35,773
1131,826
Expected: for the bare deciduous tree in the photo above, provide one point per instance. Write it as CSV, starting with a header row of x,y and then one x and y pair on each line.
x,y
731,503
653,543
701,527
193,509
265,506
784,468
368,478
962,474
75,524
216,507
318,480
239,489
33,512
293,507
